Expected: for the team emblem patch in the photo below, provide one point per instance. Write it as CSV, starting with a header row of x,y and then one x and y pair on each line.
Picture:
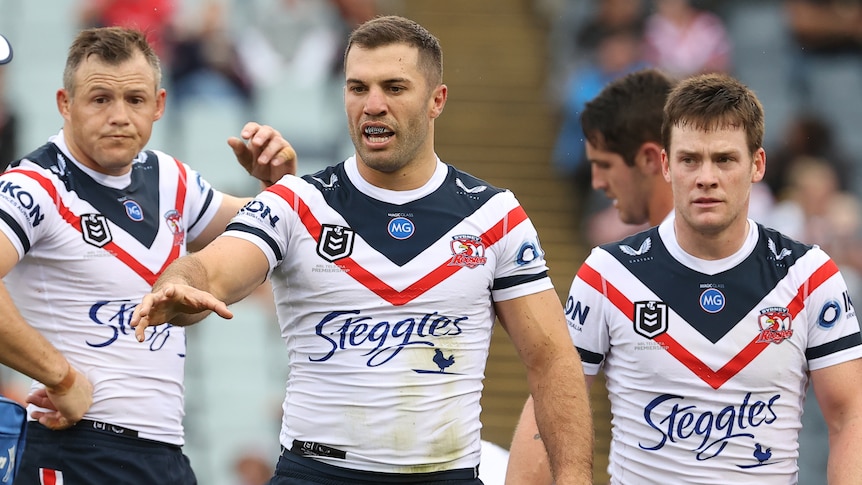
x,y
335,242
174,221
774,324
468,251
650,318
94,228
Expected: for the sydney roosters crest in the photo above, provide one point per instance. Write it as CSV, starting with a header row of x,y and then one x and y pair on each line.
x,y
774,324
468,251
174,221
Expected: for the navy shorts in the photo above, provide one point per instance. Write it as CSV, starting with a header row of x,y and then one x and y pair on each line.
x,y
293,469
86,455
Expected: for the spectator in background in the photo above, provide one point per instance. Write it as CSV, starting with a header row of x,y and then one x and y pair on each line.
x,y
353,13
204,61
807,135
824,29
301,39
826,67
610,16
153,17
617,54
683,40
581,29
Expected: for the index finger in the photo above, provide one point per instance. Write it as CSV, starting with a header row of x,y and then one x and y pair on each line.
x,y
249,129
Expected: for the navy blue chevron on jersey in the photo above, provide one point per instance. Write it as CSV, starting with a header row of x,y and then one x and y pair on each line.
x,y
707,362
89,247
385,300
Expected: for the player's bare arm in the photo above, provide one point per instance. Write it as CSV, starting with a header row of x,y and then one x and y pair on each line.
x,y
537,327
837,391
528,459
224,272
69,394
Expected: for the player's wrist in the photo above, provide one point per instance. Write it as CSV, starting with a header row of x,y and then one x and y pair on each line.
x,y
65,383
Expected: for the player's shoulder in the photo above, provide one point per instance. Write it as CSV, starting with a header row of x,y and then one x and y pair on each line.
x,y
46,157
777,246
463,183
638,244
330,178
44,169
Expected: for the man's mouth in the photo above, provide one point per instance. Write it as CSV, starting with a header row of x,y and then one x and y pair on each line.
x,y
377,134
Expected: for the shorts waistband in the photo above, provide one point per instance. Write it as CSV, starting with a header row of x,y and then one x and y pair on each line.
x,y
295,455
119,431
108,428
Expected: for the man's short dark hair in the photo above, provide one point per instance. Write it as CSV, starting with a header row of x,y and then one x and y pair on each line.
x,y
627,113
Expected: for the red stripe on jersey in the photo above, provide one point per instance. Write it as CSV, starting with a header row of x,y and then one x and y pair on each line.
x,y
375,284
714,378
112,247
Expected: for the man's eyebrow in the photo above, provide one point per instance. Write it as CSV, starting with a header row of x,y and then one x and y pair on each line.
x,y
395,80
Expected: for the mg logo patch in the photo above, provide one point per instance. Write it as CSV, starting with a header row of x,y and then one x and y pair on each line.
x,y
650,318
94,228
336,242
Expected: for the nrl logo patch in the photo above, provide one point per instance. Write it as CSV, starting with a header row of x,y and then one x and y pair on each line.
x,y
650,318
336,242
94,228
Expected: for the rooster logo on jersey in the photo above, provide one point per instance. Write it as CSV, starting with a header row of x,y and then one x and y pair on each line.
x,y
468,251
174,221
774,324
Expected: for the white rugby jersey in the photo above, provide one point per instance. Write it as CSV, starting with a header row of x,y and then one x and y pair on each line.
x,y
706,361
90,246
385,303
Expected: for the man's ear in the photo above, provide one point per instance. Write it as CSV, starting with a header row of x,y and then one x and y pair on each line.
x,y
648,158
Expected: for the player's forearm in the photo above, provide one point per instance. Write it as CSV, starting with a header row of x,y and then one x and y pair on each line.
x,y
562,412
187,270
844,467
24,349
528,459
